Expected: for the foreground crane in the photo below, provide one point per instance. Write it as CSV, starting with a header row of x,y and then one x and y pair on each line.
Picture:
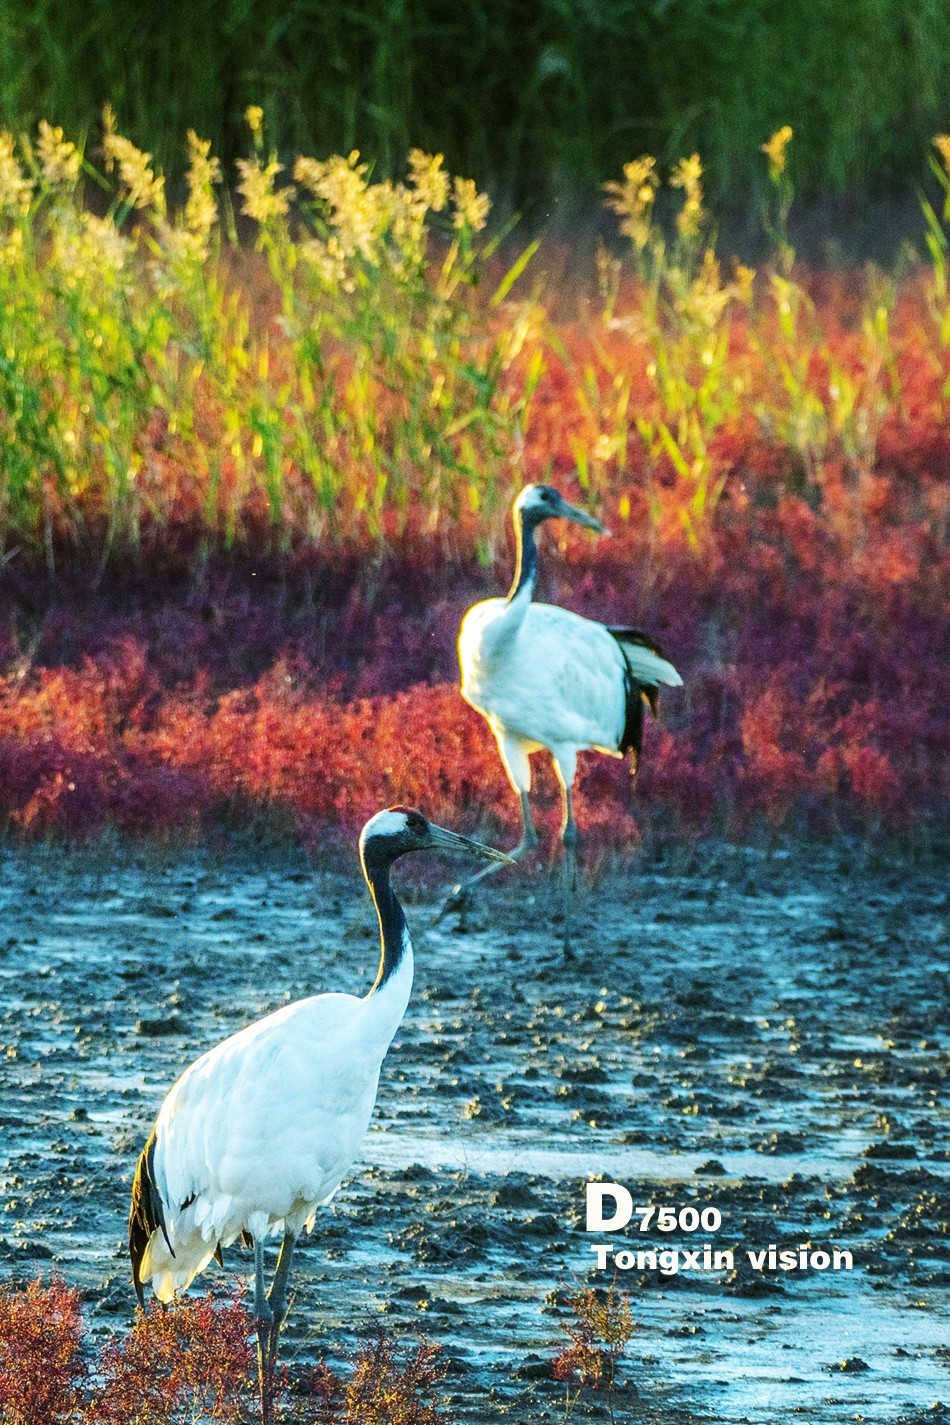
x,y
260,1131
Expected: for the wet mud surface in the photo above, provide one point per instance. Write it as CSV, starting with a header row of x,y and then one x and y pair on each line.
x,y
763,1034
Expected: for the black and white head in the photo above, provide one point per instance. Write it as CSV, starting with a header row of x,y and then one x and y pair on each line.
x,y
399,829
537,503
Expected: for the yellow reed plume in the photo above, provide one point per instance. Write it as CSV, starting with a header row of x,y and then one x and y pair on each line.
x,y
471,207
359,213
262,200
143,188
633,199
688,174
204,171
16,190
774,151
429,179
59,159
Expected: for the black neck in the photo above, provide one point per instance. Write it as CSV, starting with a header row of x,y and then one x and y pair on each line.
x,y
393,932
526,558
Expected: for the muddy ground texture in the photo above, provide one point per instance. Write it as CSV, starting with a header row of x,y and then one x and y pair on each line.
x,y
762,1032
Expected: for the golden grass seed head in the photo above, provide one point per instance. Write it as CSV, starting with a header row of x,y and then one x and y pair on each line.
x,y
706,298
59,159
204,171
254,117
429,179
408,230
16,190
262,201
308,173
359,214
471,207
775,148
633,198
687,174
143,187
941,143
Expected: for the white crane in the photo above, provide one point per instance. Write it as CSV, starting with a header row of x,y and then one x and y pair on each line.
x,y
544,677
260,1131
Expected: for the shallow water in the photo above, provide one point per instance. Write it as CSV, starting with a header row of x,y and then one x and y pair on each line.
x,y
765,1035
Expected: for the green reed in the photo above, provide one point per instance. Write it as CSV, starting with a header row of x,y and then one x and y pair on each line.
x,y
335,381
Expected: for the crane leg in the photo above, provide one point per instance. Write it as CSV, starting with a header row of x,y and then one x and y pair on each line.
x,y
569,884
458,896
264,1317
277,1297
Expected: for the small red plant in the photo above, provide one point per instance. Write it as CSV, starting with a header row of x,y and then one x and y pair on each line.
x,y
42,1371
383,1388
176,1366
598,1334
193,1361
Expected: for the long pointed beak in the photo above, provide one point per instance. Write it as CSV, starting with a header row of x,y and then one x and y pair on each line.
x,y
451,841
571,512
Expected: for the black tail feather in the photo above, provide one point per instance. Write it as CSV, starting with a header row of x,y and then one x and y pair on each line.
x,y
637,637
632,740
637,695
146,1215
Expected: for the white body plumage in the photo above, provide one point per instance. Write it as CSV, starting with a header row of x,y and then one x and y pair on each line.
x,y
261,1130
544,677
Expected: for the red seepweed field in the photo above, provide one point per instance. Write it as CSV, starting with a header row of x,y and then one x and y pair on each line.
x,y
247,496
784,536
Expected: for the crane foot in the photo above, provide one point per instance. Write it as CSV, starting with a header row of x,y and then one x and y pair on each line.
x,y
458,901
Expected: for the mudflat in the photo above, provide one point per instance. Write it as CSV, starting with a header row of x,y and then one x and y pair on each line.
x,y
761,1033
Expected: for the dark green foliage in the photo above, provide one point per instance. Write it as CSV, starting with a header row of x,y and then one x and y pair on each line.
x,y
537,98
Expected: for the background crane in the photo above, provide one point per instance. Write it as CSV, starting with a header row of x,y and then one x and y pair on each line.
x,y
544,677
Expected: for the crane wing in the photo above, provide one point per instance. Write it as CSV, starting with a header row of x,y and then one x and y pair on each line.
x,y
645,669
564,681
147,1214
645,660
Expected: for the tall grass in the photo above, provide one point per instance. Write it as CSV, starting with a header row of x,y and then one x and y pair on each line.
x,y
538,97
363,367
156,377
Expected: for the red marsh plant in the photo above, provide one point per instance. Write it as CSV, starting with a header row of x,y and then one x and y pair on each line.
x,y
813,698
285,473
192,1361
385,1386
43,1372
599,1331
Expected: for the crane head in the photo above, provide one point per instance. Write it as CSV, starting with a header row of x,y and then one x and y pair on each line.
x,y
537,503
401,829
